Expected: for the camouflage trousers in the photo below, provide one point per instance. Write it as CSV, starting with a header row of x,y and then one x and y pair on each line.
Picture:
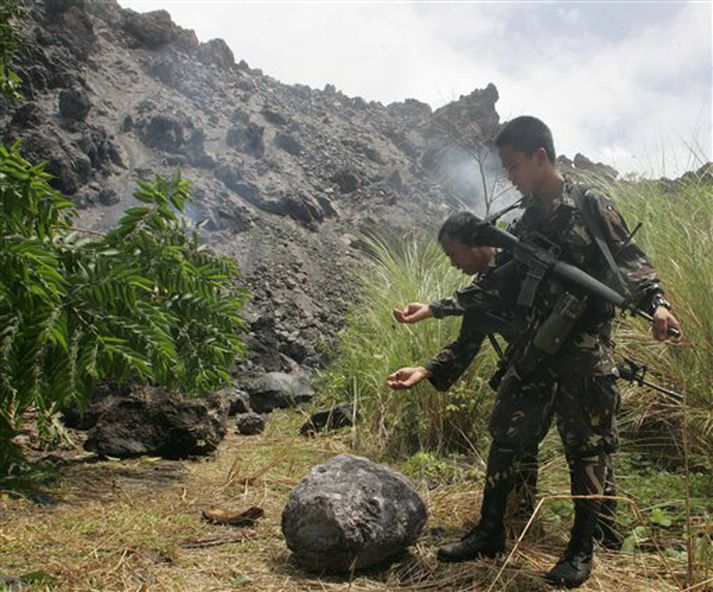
x,y
585,410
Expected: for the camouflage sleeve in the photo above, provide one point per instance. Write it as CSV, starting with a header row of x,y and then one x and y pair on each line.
x,y
641,277
473,298
450,363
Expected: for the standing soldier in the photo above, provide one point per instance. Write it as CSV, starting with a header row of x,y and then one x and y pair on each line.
x,y
569,371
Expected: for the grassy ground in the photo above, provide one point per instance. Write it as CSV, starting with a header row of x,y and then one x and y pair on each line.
x,y
120,525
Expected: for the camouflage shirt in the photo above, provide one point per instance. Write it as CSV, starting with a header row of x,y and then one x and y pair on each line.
x,y
587,350
487,294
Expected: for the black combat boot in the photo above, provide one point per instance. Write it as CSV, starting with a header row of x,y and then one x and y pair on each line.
x,y
575,566
487,539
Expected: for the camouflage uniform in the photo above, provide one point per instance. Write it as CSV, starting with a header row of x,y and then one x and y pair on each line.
x,y
577,384
495,293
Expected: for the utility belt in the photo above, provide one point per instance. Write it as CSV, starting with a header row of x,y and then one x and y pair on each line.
x,y
548,338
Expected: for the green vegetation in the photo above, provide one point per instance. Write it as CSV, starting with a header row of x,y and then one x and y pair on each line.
x,y
9,80
374,344
146,302
667,446
677,234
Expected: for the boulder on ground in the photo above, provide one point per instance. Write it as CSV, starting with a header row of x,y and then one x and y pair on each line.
x,y
158,424
338,416
278,389
250,423
350,513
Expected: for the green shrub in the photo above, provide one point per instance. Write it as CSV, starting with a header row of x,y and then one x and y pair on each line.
x,y
146,302
373,345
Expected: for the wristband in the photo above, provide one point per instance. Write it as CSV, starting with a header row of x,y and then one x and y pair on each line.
x,y
659,300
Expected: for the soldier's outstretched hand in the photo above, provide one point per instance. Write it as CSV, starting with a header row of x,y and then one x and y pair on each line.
x,y
412,313
406,378
663,319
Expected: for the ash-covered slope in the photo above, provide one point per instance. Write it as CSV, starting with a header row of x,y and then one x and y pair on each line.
x,y
286,176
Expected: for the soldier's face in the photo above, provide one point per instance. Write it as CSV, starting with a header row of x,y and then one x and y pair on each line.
x,y
523,171
469,260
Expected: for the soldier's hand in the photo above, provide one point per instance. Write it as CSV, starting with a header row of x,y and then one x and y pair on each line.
x,y
406,378
663,319
412,313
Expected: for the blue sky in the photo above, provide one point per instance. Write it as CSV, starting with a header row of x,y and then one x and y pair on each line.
x,y
626,83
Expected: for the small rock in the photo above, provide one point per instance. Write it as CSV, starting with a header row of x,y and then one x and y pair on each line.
x,y
249,424
339,416
278,389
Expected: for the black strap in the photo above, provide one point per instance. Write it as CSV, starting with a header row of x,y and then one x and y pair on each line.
x,y
592,222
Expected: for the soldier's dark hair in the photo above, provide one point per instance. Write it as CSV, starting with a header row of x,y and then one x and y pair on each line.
x,y
462,227
527,134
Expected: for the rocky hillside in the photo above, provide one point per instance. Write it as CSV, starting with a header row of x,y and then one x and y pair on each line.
x,y
286,176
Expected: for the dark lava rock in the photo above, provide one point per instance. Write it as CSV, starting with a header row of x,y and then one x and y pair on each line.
x,y
216,52
247,139
155,29
74,104
347,180
288,143
236,399
339,416
68,165
350,513
249,424
274,117
161,424
164,132
279,390
103,396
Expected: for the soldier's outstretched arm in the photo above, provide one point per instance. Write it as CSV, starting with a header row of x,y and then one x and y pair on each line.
x,y
413,312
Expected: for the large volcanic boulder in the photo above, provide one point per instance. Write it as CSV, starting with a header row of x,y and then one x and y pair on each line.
x,y
350,513
158,424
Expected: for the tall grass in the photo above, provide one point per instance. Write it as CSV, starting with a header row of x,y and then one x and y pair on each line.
x,y
677,235
373,345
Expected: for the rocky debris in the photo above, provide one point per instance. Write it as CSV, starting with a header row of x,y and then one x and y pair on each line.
x,y
69,166
158,423
74,104
350,513
248,139
165,132
281,173
216,53
156,29
347,180
338,416
278,390
250,423
103,397
288,143
236,399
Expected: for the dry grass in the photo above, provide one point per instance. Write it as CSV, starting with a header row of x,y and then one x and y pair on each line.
x,y
119,525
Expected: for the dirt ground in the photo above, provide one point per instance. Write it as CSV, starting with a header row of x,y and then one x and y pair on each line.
x,y
136,525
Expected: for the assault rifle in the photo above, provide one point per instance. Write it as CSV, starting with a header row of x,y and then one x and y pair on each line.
x,y
633,372
540,259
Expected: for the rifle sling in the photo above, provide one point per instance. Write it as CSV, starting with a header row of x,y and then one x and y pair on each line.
x,y
592,223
